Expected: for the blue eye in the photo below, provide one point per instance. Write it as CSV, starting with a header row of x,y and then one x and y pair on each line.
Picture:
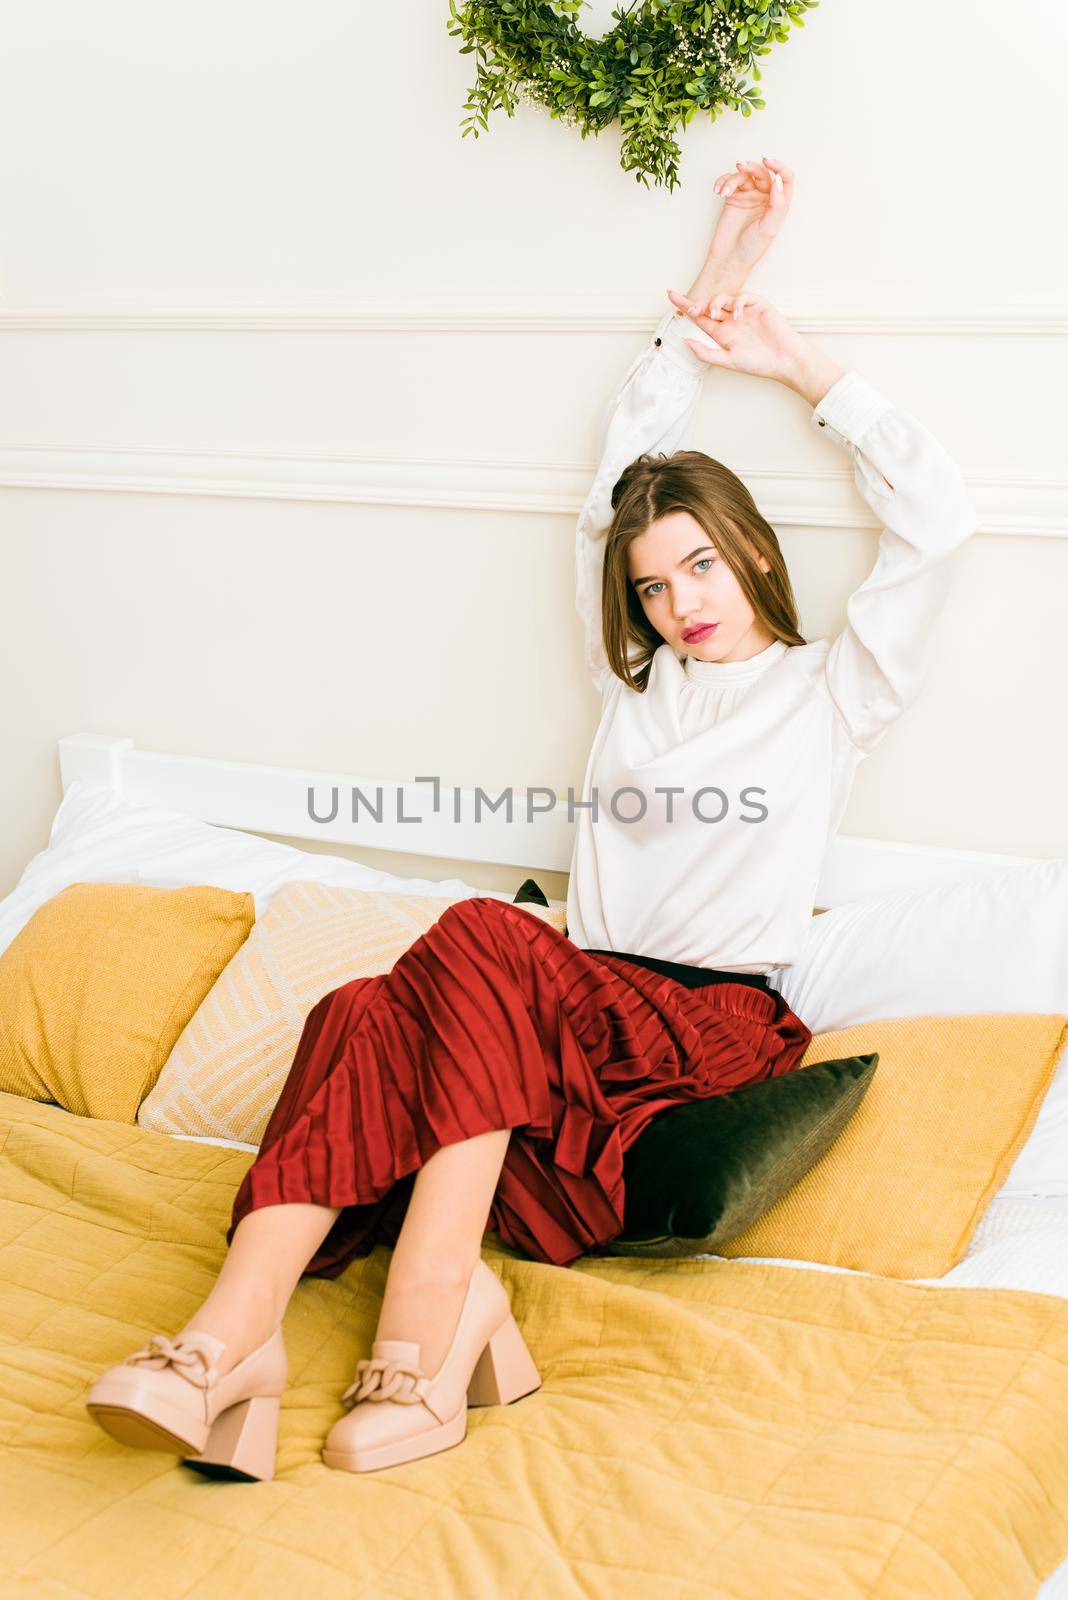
x,y
705,561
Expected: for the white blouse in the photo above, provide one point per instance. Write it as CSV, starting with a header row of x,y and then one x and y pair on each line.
x,y
760,754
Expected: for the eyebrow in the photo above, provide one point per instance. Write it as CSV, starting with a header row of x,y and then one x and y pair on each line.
x,y
639,581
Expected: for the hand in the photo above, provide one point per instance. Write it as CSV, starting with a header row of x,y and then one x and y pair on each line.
x,y
751,336
756,200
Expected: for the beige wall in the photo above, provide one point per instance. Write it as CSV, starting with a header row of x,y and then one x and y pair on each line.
x,y
341,535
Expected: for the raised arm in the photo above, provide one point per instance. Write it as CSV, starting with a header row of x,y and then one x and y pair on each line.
x,y
653,407
876,665
652,410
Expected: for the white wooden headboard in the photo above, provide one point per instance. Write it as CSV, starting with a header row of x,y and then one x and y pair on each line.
x,y
289,801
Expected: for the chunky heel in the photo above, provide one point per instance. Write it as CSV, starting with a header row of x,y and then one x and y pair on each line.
x,y
505,1370
243,1441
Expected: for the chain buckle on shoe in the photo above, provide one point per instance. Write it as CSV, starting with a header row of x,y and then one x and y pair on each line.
x,y
379,1379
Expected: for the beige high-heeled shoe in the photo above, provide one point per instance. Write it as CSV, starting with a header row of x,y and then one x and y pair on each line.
x,y
169,1396
400,1414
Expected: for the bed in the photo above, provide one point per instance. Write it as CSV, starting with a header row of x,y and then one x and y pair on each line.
x,y
739,1426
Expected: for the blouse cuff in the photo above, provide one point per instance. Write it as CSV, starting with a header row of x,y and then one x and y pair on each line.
x,y
850,407
669,336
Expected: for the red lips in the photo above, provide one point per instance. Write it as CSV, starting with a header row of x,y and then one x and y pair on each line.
x,y
690,634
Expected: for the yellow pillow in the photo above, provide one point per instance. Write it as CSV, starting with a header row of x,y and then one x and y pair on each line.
x,y
97,987
227,1070
906,1182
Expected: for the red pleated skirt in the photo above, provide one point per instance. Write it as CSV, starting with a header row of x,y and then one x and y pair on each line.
x,y
494,1019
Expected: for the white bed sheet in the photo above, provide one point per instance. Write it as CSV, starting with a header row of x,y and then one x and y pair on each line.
x,y
1020,1243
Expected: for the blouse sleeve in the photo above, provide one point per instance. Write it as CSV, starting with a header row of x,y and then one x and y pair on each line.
x,y
876,666
651,411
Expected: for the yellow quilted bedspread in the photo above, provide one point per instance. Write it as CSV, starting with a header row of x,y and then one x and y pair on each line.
x,y
705,1428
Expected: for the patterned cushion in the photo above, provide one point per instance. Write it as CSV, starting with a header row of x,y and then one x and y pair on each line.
x,y
227,1070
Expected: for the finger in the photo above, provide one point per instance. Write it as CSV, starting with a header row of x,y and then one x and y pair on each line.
x,y
744,304
778,205
685,303
785,173
760,177
681,302
698,310
734,183
707,320
726,186
711,354
703,308
720,181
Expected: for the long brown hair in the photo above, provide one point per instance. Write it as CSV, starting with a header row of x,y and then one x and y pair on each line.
x,y
650,488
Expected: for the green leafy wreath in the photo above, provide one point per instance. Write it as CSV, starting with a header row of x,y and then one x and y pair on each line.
x,y
664,61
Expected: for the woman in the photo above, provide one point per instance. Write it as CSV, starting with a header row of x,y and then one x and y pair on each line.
x,y
499,1073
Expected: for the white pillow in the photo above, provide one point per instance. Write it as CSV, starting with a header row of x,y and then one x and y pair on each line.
x,y
97,837
996,942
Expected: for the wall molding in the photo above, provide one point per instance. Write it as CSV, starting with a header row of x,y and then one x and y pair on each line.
x,y
1023,507
533,314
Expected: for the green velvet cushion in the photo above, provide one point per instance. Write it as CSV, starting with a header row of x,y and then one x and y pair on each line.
x,y
701,1173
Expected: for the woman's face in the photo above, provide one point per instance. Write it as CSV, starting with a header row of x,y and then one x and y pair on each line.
x,y
682,581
